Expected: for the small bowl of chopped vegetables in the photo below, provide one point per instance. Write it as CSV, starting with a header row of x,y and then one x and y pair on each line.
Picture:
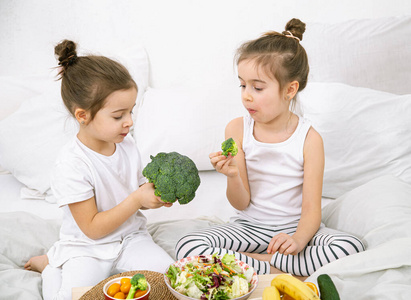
x,y
127,287
210,277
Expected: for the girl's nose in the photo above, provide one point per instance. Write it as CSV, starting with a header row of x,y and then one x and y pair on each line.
x,y
129,121
247,96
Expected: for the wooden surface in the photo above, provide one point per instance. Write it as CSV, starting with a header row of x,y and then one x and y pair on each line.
x,y
263,281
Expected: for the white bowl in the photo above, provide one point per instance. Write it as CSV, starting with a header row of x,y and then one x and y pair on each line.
x,y
117,280
180,263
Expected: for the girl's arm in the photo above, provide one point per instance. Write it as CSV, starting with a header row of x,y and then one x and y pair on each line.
x,y
311,206
312,189
95,224
238,191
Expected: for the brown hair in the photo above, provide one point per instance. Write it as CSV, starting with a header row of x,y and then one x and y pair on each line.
x,y
280,54
88,80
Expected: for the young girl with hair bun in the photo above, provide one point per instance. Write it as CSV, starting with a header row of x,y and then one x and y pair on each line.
x,y
98,182
275,181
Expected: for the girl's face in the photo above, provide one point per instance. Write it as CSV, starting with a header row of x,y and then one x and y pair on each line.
x,y
112,122
260,93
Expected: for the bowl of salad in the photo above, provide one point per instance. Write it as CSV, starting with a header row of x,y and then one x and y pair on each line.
x,y
211,277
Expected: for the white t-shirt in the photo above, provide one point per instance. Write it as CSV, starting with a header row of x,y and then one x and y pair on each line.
x,y
81,173
275,175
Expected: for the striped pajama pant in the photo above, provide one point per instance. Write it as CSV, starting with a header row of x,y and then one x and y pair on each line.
x,y
326,246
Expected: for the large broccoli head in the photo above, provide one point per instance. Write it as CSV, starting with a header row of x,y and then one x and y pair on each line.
x,y
175,177
229,146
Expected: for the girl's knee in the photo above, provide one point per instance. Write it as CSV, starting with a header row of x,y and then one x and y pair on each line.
x,y
349,244
190,245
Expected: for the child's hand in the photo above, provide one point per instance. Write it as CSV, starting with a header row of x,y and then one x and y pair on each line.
x,y
283,244
148,199
224,165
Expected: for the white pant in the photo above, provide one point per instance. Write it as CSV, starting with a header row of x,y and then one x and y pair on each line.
x,y
139,253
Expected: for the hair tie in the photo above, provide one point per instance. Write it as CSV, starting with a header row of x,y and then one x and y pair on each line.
x,y
71,59
68,61
292,36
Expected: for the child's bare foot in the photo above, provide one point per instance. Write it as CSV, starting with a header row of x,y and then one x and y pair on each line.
x,y
37,263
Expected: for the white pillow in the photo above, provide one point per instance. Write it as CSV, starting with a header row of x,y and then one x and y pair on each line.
x,y
376,212
373,53
14,90
366,134
188,121
31,137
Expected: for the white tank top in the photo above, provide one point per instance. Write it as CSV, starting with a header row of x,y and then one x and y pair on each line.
x,y
275,175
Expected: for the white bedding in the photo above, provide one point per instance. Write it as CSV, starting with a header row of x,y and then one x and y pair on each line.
x,y
378,212
211,193
383,271
10,200
356,86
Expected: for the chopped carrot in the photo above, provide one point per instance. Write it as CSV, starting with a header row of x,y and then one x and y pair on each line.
x,y
229,269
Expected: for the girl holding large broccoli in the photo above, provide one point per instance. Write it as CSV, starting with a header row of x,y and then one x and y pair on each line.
x,y
275,180
98,182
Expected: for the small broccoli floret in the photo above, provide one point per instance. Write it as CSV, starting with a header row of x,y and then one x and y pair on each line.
x,y
229,146
138,282
175,177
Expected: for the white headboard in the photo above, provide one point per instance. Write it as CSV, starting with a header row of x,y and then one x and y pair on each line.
x,y
178,35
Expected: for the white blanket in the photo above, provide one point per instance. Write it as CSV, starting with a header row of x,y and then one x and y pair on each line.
x,y
383,272
378,212
24,235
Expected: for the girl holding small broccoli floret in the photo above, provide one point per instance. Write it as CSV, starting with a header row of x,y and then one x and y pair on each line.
x,y
275,180
98,182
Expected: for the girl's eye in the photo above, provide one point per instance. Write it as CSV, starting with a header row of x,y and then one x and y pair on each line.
x,y
258,89
117,118
242,86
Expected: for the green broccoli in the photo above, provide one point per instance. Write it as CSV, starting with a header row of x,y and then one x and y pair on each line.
x,y
175,177
138,282
229,146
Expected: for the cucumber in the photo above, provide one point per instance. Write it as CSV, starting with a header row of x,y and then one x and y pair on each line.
x,y
328,291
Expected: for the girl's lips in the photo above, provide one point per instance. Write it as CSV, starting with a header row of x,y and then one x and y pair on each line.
x,y
124,134
251,111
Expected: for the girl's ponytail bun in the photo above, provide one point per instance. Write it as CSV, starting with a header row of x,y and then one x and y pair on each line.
x,y
296,27
66,53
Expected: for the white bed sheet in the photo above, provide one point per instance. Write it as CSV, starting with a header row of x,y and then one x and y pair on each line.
x,y
10,200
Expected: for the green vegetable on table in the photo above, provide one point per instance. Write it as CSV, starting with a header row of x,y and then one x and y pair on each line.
x,y
229,146
175,177
328,291
138,282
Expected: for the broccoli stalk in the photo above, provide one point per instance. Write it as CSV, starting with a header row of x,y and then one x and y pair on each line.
x,y
138,282
229,146
175,177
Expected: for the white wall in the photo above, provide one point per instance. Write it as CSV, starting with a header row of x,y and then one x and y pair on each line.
x,y
178,35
